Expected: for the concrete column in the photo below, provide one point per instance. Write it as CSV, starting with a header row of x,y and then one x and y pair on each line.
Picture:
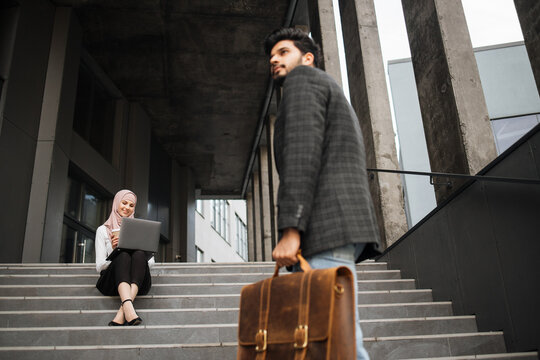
x,y
250,224
528,12
120,144
323,29
28,30
274,177
266,213
454,112
257,217
43,234
182,216
369,98
137,166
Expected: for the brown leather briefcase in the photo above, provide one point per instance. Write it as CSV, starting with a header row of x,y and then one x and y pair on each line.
x,y
304,315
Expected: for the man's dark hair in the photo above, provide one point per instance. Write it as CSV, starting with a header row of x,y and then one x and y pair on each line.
x,y
300,39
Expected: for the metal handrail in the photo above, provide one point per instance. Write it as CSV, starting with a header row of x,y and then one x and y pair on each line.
x,y
461,176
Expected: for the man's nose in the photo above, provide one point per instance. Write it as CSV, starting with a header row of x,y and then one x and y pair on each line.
x,y
273,59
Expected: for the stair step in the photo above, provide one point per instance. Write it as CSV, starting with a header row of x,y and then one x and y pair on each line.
x,y
405,310
406,347
179,288
166,268
123,352
379,348
182,301
513,356
29,318
125,335
90,279
206,333
64,318
370,328
418,326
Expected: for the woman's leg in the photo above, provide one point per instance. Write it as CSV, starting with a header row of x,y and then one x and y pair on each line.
x,y
124,289
138,271
138,267
122,271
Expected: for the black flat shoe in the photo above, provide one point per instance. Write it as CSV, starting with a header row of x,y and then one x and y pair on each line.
x,y
112,323
134,322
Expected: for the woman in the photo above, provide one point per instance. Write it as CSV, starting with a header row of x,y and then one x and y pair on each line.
x,y
128,274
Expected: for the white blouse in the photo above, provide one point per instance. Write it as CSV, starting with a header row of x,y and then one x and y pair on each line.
x,y
104,248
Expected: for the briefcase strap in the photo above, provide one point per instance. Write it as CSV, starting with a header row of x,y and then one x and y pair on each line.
x,y
304,265
301,332
261,338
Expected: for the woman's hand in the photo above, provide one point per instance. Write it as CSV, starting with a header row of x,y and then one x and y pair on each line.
x,y
114,240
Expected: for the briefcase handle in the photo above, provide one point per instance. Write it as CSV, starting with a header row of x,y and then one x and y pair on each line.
x,y
304,265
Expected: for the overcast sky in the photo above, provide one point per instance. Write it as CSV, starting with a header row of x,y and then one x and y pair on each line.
x,y
490,22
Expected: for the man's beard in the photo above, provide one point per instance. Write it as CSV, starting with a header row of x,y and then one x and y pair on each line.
x,y
279,80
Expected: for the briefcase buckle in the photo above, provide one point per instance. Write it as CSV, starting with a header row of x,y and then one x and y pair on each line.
x,y
301,337
260,340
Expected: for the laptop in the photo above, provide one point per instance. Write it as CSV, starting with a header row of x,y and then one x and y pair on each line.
x,y
138,234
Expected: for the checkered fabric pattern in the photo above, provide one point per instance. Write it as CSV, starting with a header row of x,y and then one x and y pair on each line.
x,y
320,158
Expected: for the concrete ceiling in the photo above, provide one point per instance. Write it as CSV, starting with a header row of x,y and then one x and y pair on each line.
x,y
198,69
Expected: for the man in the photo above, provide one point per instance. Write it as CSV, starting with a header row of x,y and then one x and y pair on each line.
x,y
324,203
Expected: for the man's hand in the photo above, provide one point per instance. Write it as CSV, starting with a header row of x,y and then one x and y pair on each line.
x,y
285,252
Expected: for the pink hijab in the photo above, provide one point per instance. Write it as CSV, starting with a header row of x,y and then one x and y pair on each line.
x,y
115,219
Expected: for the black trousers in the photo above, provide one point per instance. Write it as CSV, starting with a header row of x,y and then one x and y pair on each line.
x,y
129,266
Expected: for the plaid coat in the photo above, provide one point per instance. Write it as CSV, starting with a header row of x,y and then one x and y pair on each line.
x,y
320,158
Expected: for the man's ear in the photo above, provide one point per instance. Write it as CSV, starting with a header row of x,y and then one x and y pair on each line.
x,y
308,59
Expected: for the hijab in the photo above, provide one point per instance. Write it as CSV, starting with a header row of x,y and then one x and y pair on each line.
x,y
115,219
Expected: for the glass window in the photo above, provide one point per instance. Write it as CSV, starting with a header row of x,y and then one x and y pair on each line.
x,y
85,210
94,113
241,238
220,218
200,207
509,130
200,255
225,221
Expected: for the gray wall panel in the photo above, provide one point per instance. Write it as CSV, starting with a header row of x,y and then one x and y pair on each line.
x,y
433,253
476,256
26,79
515,212
16,164
481,249
401,258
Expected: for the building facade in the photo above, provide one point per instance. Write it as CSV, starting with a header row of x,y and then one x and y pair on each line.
x,y
221,231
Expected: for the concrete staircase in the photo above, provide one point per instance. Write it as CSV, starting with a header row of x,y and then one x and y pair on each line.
x,y
53,311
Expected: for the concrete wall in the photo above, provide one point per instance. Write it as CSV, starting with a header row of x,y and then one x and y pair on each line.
x,y
207,239
480,249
